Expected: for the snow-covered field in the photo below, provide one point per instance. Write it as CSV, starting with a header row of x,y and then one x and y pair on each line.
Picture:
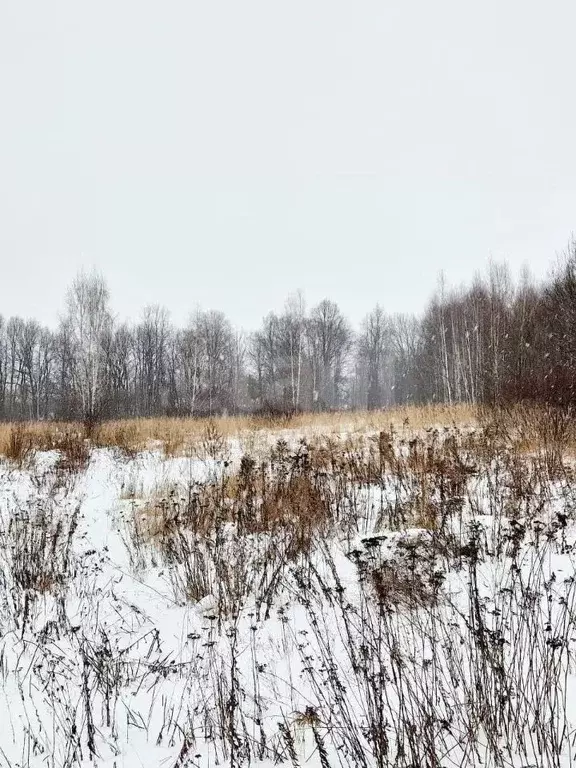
x,y
381,600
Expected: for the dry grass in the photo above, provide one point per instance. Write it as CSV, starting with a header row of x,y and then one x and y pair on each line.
x,y
18,444
19,440
531,427
40,435
538,430
178,435
37,542
181,434
256,500
74,450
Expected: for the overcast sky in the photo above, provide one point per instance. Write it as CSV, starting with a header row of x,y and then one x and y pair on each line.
x,y
224,154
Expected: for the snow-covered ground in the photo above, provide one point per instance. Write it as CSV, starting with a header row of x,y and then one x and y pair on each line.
x,y
427,621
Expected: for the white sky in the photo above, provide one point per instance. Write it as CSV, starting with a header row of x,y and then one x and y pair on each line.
x,y
228,153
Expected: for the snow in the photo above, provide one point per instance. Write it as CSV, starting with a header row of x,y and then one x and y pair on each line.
x,y
113,668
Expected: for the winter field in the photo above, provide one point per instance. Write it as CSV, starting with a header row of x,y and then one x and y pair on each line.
x,y
392,589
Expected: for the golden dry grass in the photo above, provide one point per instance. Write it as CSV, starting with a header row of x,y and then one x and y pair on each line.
x,y
532,426
17,439
176,435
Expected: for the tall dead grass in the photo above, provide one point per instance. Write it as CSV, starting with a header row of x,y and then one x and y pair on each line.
x,y
532,428
180,434
19,440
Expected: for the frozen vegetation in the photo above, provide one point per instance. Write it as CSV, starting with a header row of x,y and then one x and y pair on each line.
x,y
402,598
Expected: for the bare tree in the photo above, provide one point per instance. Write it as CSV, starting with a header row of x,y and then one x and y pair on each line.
x,y
294,322
217,340
36,356
87,320
119,366
491,341
3,367
329,338
191,356
151,348
373,349
266,356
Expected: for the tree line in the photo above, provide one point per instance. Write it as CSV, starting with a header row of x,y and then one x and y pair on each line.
x,y
495,340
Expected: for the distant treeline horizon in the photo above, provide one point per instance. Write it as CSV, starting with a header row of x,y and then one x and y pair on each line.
x,y
495,340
